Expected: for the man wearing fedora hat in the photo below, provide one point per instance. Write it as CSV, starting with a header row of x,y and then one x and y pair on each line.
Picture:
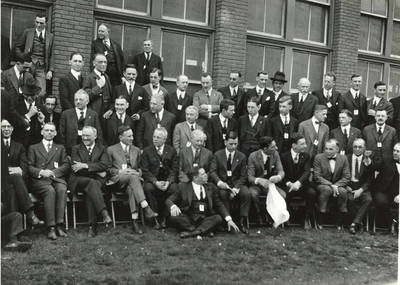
x,y
271,106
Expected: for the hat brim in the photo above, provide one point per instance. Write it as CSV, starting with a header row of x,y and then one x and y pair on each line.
x,y
278,79
31,91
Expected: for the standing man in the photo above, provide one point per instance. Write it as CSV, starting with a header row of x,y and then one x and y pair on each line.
x,y
178,101
48,166
207,99
154,87
396,114
303,102
271,106
331,98
71,82
38,43
236,93
12,79
345,134
379,102
261,92
146,62
112,51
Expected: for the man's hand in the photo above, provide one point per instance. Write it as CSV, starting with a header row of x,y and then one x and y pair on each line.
x,y
78,166
396,199
335,189
264,182
357,193
49,75
159,185
175,211
123,80
46,173
108,114
101,81
135,117
165,185
223,185
15,171
32,112
294,186
275,179
231,224
371,112
41,117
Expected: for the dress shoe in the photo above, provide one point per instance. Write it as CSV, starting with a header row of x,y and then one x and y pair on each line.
x,y
307,224
20,246
61,232
157,225
35,221
242,227
107,220
136,228
52,233
184,234
163,223
353,229
148,213
319,227
92,232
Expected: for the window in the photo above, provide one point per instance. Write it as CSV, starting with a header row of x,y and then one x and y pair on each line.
x,y
186,10
267,16
396,29
310,65
135,6
184,53
371,72
311,22
259,57
394,82
372,26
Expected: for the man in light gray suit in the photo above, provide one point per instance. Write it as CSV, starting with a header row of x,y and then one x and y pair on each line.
x,y
207,99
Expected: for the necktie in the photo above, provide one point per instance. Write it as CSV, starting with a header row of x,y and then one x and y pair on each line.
x,y
80,80
121,121
197,156
157,118
229,162
180,97
41,36
374,104
192,127
7,146
202,194
357,171
106,43
346,138
159,151
48,146
234,93
81,118
130,89
259,92
296,158
286,120
90,151
225,124
356,96
252,121
380,131
266,168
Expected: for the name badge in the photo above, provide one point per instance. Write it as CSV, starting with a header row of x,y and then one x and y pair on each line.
x,y
285,136
355,112
229,173
379,144
144,66
268,98
329,105
188,144
195,164
105,52
224,136
79,132
342,152
55,164
124,166
158,126
201,208
161,165
265,172
315,142
139,98
179,107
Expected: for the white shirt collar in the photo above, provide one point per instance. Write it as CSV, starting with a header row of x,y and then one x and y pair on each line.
x,y
75,73
160,114
189,124
376,100
258,89
233,89
327,92
301,96
255,117
161,148
265,157
354,92
347,129
377,127
197,188
17,71
127,83
43,32
227,154
124,146
27,104
123,115
97,72
285,116
46,142
222,119
90,146
78,112
180,93
194,150
7,140
315,121
354,157
293,153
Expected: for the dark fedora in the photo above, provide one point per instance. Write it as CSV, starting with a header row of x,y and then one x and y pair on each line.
x,y
279,76
29,87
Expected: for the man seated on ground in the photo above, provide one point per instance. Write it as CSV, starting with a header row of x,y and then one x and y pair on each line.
x,y
89,165
229,173
331,176
125,173
160,167
196,208
359,198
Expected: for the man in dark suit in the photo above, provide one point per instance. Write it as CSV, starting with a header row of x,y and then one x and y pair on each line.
x,y
229,173
178,101
155,87
196,208
38,43
356,103
73,120
271,106
194,155
396,114
303,102
219,126
156,117
260,91
282,127
160,168
331,177
331,98
71,82
8,110
49,105
359,199
251,127
12,79
98,86
236,93
5,53
112,51
90,162
296,164
379,102
345,134
146,62
48,166
207,99
264,168
126,174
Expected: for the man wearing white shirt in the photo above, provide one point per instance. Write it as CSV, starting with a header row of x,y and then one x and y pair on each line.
x,y
345,134
356,102
155,87
236,93
304,102
178,101
379,102
207,99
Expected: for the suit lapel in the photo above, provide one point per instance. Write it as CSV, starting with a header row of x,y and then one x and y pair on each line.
x,y
83,153
14,79
385,132
74,80
29,41
235,161
209,196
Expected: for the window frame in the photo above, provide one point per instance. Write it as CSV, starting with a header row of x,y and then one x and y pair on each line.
x,y
110,8
397,67
206,23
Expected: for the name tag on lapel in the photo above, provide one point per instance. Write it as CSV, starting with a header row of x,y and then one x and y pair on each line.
x,y
329,105
201,208
229,173
55,164
179,107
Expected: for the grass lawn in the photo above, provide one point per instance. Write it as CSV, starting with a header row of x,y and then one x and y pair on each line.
x,y
282,256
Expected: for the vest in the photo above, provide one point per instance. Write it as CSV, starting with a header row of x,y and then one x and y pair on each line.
x,y
194,210
38,49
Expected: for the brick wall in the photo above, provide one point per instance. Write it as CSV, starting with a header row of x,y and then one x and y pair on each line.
x,y
230,39
346,33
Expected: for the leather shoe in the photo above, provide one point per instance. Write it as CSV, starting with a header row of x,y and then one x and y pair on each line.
x,y
148,213
242,227
107,220
92,232
352,229
307,224
35,221
60,232
52,234
163,223
157,225
136,228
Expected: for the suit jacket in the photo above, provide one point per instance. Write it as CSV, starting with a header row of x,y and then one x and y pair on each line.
x,y
99,98
219,168
148,124
249,135
161,91
8,111
270,106
9,83
339,136
138,100
171,105
383,104
111,128
389,139
98,164
67,87
365,175
334,105
156,168
183,198
396,114
240,100
264,100
24,45
276,130
16,156
322,174
215,139
69,126
186,160
182,133
144,68
117,158
200,98
359,121
295,172
56,160
307,110
306,129
387,180
255,166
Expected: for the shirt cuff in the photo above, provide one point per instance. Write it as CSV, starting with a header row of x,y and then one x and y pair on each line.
x,y
219,183
209,108
228,219
173,207
256,181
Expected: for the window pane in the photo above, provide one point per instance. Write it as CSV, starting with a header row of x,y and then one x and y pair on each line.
x,y
396,39
366,5
111,3
273,60
394,82
133,41
397,9
374,75
363,41
254,62
379,7
5,21
317,33
275,12
172,53
196,10
363,71
302,19
174,8
299,67
375,35
256,15
136,5
317,64
195,56
22,19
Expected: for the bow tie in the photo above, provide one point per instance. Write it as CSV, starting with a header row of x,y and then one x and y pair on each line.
x,y
155,86
332,158
317,122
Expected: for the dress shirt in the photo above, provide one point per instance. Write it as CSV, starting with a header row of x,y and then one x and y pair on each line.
x,y
302,97
90,147
46,144
277,94
107,42
8,140
160,114
284,118
353,166
128,84
382,127
180,93
194,151
156,90
42,32
332,163
398,167
147,55
227,154
253,120
198,189
376,100
17,73
160,149
125,147
294,155
121,116
347,128
76,74
190,125
260,90
265,157
316,124
98,73
354,93
78,112
233,90
327,93
222,120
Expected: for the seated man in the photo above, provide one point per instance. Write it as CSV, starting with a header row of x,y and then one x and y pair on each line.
x,y
264,168
196,208
48,166
229,173
11,227
89,164
159,166
331,176
125,173
359,198
296,165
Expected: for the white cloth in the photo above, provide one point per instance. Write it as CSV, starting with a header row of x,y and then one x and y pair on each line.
x,y
276,206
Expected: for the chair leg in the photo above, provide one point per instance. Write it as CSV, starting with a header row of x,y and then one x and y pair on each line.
x,y
66,216
367,222
141,213
374,223
113,213
247,223
24,221
74,214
